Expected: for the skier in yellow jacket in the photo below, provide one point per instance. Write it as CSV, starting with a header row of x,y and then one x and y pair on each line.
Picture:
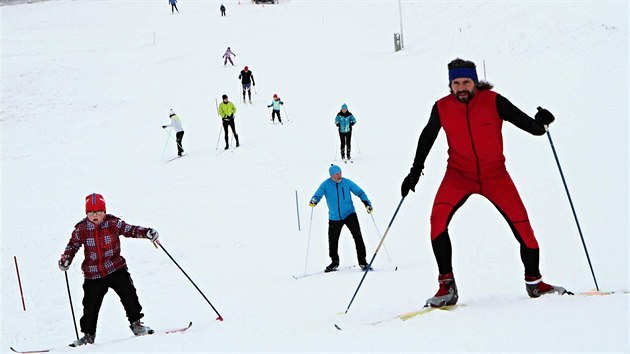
x,y
226,112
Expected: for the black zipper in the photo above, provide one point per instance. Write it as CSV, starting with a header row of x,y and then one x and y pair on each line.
x,y
472,143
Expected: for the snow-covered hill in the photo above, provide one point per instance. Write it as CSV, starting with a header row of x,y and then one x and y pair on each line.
x,y
86,86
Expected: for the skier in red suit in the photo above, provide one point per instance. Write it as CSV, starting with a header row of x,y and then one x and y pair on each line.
x,y
472,117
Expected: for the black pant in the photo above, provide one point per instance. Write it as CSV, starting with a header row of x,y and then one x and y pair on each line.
x,y
334,231
345,144
247,88
229,122
173,8
94,291
222,12
178,137
276,113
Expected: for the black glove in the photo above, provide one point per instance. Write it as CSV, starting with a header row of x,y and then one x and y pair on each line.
x,y
152,235
409,184
544,117
351,123
337,124
164,127
64,263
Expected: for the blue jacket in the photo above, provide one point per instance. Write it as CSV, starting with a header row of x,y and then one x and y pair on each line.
x,y
345,121
338,197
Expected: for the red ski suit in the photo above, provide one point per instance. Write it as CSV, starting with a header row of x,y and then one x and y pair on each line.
x,y
476,165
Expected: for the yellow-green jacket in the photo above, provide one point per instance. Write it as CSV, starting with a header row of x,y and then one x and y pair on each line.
x,y
227,109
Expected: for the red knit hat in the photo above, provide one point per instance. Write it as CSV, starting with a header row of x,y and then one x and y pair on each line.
x,y
94,202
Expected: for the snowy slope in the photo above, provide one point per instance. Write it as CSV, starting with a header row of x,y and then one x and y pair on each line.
x,y
86,86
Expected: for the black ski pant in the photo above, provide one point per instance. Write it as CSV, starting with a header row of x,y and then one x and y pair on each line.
x,y
247,88
226,60
173,8
334,231
179,137
276,113
229,122
345,144
222,12
94,291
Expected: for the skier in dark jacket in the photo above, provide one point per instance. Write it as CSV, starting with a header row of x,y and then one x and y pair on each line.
x,y
173,4
344,122
472,117
247,81
103,267
222,9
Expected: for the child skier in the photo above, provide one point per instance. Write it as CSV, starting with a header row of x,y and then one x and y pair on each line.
x,y
276,108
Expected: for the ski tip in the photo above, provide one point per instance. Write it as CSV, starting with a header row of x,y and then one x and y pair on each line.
x,y
341,313
339,328
395,269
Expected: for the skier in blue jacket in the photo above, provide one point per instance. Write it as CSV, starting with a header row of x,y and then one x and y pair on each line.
x,y
341,212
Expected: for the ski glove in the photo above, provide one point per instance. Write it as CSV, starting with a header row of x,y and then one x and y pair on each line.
x,y
312,203
544,117
409,184
369,209
164,126
64,264
152,235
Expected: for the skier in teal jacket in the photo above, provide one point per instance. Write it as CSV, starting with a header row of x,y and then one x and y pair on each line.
x,y
338,192
344,121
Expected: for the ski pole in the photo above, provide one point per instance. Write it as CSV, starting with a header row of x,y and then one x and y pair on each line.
x,y
17,270
219,137
297,210
379,235
285,113
566,189
74,321
308,242
220,318
166,144
357,142
375,253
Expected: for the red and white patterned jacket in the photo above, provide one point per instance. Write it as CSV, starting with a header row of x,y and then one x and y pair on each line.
x,y
101,245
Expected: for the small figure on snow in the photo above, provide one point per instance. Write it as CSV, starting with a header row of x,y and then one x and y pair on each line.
x,y
226,112
247,80
228,56
276,108
173,6
344,121
176,123
338,192
472,116
103,267
222,8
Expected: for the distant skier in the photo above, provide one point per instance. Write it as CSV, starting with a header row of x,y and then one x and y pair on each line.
x,y
276,108
344,121
337,191
472,116
228,56
247,80
226,112
222,8
176,123
173,6
103,267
